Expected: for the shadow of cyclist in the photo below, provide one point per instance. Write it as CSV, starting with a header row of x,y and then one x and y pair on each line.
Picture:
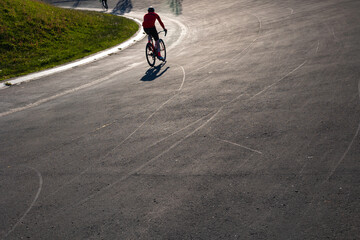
x,y
122,7
154,73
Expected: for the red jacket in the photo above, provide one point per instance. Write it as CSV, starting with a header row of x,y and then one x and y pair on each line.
x,y
149,20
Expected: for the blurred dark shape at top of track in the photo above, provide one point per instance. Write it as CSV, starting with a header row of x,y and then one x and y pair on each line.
x,y
122,7
176,6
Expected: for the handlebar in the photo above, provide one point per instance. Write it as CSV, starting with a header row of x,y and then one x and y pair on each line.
x,y
163,31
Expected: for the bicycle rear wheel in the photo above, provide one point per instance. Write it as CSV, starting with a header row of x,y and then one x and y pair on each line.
x,y
150,55
162,49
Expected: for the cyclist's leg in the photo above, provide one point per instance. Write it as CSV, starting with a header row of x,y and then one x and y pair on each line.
x,y
149,33
152,32
158,47
155,35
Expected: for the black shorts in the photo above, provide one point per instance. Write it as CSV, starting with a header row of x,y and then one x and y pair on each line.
x,y
152,32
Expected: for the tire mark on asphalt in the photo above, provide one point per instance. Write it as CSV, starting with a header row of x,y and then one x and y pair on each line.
x,y
236,144
315,199
103,189
32,203
184,30
348,148
73,90
245,49
135,171
216,112
257,37
128,137
317,48
160,107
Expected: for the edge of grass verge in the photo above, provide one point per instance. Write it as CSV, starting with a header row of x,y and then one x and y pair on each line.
x,y
139,35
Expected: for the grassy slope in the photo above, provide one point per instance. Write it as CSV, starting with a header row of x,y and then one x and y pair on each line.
x,y
35,35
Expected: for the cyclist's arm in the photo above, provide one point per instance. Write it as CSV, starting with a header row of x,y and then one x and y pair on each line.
x,y
161,23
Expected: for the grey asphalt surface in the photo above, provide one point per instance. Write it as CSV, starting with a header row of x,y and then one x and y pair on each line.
x,y
249,131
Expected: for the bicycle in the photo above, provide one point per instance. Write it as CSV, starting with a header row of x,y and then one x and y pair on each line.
x,y
104,4
151,51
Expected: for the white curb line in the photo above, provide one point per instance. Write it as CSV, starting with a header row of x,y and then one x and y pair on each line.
x,y
137,37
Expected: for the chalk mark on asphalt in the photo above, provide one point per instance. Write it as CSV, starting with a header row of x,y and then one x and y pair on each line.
x,y
32,203
238,145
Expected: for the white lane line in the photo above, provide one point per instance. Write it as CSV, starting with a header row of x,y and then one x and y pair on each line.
x,y
32,203
183,33
239,145
41,101
348,148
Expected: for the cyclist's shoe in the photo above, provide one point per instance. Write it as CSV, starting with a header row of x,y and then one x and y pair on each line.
x,y
160,58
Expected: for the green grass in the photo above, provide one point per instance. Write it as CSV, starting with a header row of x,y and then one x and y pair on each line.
x,y
35,36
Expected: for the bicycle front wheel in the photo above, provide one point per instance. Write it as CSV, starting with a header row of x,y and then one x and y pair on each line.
x,y
162,49
150,55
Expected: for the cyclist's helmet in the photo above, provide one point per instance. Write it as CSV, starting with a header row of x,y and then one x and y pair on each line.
x,y
151,9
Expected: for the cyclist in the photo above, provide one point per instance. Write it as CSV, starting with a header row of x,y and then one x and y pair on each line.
x,y
150,29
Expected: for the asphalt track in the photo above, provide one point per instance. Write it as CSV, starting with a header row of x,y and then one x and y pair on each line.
x,y
249,131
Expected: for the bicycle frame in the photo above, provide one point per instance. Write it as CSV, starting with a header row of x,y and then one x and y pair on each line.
x,y
152,50
151,41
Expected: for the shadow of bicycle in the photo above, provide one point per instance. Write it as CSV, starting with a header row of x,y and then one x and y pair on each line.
x,y
154,73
